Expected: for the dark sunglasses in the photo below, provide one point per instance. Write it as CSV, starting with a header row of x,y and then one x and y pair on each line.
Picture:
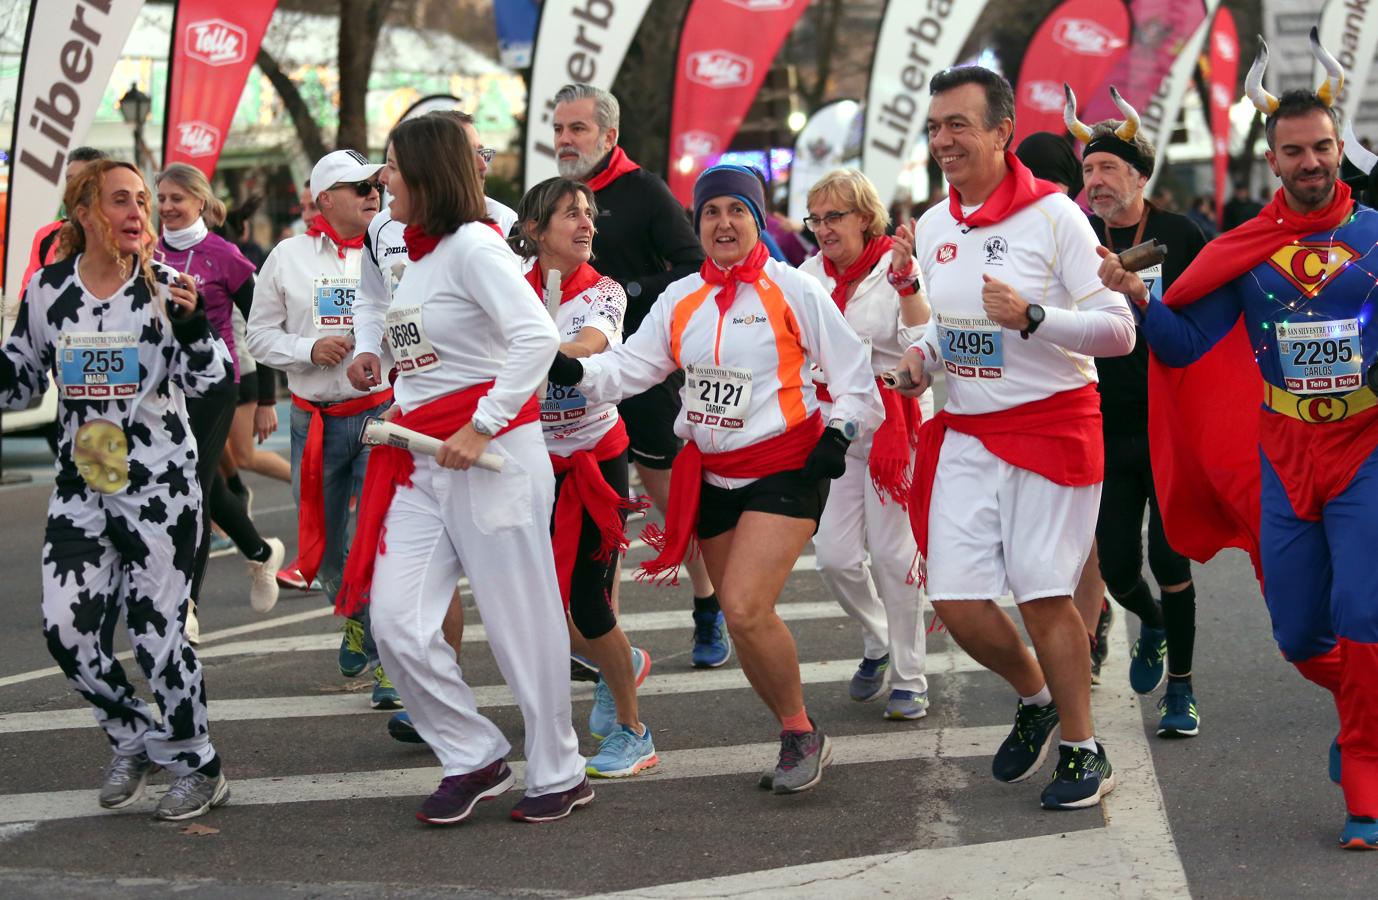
x,y
362,188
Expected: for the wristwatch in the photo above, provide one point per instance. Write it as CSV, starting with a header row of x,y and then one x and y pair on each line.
x,y
849,429
1035,314
481,428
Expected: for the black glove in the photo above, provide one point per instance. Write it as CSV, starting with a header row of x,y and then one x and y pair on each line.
x,y
828,459
565,370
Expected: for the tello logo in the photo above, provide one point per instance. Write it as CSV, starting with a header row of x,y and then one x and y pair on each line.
x,y
762,5
1044,96
216,42
698,143
719,69
197,138
1086,37
1226,47
946,253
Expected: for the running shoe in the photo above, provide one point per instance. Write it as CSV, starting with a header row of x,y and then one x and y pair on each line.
x,y
1026,747
623,753
1335,766
455,799
1361,833
603,716
221,545
803,757
1082,778
289,576
1107,618
1095,659
870,679
263,594
124,780
553,806
1180,716
385,696
352,659
191,796
192,629
582,669
906,705
400,728
1148,660
712,645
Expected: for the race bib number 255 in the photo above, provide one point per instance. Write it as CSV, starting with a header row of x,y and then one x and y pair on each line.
x,y
98,365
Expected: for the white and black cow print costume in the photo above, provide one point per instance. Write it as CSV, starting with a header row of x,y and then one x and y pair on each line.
x,y
132,549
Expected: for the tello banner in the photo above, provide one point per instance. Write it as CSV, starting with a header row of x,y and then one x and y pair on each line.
x,y
214,45
725,50
1078,44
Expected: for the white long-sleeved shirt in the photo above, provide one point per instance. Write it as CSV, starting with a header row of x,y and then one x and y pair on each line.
x,y
482,320
1047,253
775,330
282,325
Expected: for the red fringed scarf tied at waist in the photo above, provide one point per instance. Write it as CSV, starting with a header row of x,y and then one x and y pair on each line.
x,y
311,513
585,491
1058,437
892,446
391,467
320,226
783,453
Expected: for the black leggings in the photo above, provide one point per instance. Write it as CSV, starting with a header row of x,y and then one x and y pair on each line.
x,y
211,417
590,586
1128,486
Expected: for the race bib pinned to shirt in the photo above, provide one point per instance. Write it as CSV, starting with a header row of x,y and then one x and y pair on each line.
x,y
411,350
1152,278
972,347
98,365
332,303
562,404
718,396
1320,356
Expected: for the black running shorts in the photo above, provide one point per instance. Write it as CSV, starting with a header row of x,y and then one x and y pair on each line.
x,y
784,494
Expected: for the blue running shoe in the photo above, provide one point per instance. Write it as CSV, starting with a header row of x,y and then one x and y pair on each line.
x,y
385,696
401,729
1180,717
603,716
1361,833
870,679
1148,660
712,646
1335,767
906,705
623,753
1023,751
353,660
1082,778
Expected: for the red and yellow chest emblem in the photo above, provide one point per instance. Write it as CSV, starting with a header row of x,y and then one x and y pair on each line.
x,y
1311,265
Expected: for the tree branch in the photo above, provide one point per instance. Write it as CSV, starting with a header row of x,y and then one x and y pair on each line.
x,y
308,132
361,21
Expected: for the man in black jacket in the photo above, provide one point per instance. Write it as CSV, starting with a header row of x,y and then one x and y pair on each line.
x,y
645,241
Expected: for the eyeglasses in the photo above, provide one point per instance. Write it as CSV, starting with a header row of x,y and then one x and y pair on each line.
x,y
830,219
486,154
361,188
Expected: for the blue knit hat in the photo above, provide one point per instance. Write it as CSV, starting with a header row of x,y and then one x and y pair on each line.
x,y
731,181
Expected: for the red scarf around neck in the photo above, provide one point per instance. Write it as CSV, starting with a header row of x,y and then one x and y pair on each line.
x,y
572,284
320,226
1017,190
418,242
872,253
618,165
746,271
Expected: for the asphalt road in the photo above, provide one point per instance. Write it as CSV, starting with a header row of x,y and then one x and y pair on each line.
x,y
323,798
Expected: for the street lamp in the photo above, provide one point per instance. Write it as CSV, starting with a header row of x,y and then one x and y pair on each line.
x,y
135,106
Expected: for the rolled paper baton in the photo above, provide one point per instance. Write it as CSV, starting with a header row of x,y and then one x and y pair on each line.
x,y
379,433
897,378
1141,256
552,292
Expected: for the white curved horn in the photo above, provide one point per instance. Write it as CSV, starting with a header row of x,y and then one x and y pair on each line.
x,y
1263,101
1334,81
1130,127
1079,129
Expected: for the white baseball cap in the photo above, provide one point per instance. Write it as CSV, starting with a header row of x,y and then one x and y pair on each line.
x,y
341,167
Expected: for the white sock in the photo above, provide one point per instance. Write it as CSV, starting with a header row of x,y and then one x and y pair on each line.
x,y
1088,744
1042,698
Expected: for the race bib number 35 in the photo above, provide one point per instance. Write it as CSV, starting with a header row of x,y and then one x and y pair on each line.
x,y
98,365
333,304
407,336
1320,357
718,396
972,347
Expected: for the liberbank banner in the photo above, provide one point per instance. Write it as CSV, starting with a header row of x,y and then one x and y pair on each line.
x,y
1349,30
576,40
64,69
918,39
214,46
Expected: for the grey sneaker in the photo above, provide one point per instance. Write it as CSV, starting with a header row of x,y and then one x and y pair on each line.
x,y
870,679
803,756
124,780
191,796
906,705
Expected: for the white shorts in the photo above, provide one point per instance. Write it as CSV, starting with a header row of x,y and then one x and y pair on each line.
x,y
994,528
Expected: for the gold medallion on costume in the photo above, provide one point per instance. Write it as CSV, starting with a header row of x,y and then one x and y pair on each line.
x,y
101,453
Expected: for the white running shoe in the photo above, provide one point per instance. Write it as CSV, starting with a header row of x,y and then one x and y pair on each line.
x,y
263,595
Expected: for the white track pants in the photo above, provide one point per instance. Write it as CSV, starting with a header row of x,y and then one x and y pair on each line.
x,y
891,618
494,528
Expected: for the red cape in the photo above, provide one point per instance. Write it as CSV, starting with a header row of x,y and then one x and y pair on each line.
x,y
1203,419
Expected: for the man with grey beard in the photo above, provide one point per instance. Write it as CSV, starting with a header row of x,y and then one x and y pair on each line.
x,y
644,240
1116,169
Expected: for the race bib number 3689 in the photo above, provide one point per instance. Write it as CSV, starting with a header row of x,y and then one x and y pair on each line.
x,y
718,396
972,347
407,336
98,365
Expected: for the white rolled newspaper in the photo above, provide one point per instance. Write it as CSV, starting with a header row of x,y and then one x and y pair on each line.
x,y
379,433
553,292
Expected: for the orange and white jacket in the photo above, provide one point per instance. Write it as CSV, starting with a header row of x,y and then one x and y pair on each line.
x,y
776,328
